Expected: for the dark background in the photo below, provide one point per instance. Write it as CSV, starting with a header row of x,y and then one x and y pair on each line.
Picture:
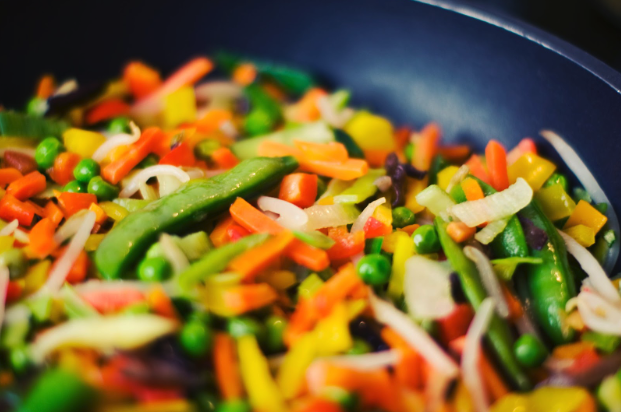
x,y
584,23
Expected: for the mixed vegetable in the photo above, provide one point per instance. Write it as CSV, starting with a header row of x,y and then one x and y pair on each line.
x,y
236,238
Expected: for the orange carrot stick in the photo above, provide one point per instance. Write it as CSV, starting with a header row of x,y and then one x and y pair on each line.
x,y
224,158
478,169
46,86
329,152
472,189
459,231
426,147
141,79
299,189
53,212
27,186
255,260
62,171
409,370
71,203
118,169
245,298
496,157
11,208
454,153
348,170
275,149
226,367
9,175
42,238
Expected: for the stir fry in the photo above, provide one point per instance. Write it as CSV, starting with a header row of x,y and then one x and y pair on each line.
x,y
237,238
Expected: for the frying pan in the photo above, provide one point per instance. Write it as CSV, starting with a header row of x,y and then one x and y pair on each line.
x,y
479,76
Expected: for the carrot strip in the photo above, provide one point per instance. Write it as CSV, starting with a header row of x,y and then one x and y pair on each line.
x,y
78,271
218,235
224,158
275,149
141,79
253,220
496,157
497,388
226,367
472,189
106,110
454,153
426,147
459,231
42,238
11,208
160,303
118,169
376,157
478,169
9,175
329,152
299,189
346,244
245,298
255,260
46,86
409,370
62,171
348,170
100,214
53,212
212,120
245,74
306,109
27,186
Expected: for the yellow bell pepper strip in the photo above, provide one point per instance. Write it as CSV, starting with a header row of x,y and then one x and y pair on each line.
x,y
548,399
582,234
532,168
585,214
412,188
404,249
309,286
180,107
93,241
290,378
263,392
383,214
82,142
555,202
332,332
390,241
114,211
6,243
445,175
371,132
36,276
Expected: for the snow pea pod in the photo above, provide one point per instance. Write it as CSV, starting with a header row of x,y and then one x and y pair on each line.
x,y
498,334
195,201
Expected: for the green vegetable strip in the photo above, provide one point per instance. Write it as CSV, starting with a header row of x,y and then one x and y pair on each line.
x,y
498,334
58,390
23,125
193,202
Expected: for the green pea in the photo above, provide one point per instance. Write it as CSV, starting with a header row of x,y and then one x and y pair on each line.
x,y
426,240
119,125
275,328
205,148
15,260
47,151
243,325
19,359
529,350
155,269
349,401
102,189
195,338
374,269
86,170
75,187
258,122
402,217
409,152
236,405
360,347
36,107
557,178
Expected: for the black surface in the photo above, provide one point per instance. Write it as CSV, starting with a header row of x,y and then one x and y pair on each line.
x,y
411,61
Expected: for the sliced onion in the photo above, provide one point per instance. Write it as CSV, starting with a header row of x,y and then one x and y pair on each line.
x,y
427,288
121,139
329,113
194,172
383,183
104,333
168,184
489,279
67,86
472,351
599,314
601,283
228,128
586,178
420,341
457,178
321,216
496,206
289,215
489,232
9,228
153,171
70,227
63,265
21,236
218,90
366,214
4,284
175,256
147,192
368,361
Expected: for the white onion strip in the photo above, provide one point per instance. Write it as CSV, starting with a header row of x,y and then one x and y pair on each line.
x,y
427,288
289,215
366,214
368,361
472,352
586,178
489,279
4,284
145,174
598,314
457,178
21,236
387,314
591,266
173,253
496,206
121,139
383,183
63,265
9,228
331,115
69,228
489,232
